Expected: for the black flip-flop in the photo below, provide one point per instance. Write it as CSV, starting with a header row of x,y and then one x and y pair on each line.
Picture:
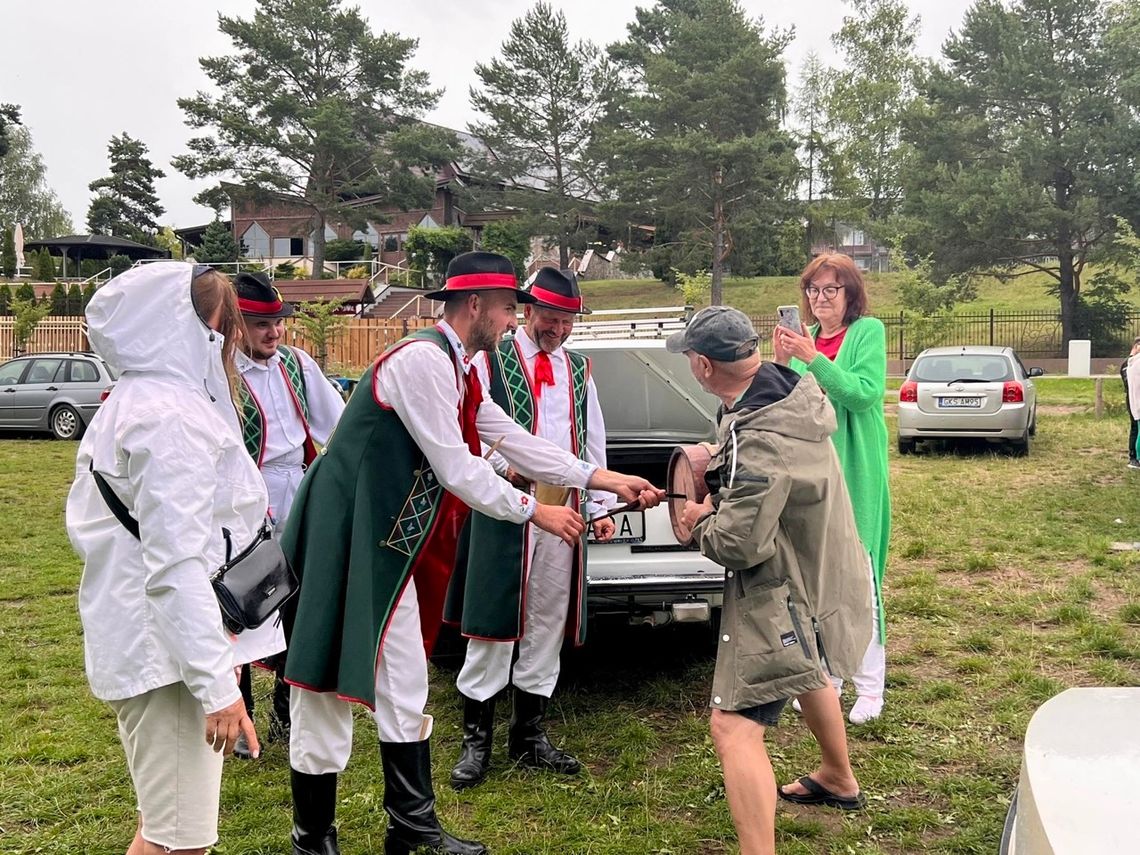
x,y
817,794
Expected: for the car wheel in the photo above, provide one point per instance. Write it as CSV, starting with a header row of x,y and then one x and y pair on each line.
x,y
1020,447
65,423
906,446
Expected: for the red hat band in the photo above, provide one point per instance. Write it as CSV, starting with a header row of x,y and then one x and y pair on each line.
x,y
259,307
566,304
480,281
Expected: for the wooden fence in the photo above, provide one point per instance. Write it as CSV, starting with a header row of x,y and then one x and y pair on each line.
x,y
361,342
50,335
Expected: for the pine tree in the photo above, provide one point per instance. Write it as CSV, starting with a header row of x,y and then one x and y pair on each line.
x,y
218,245
313,106
5,298
698,149
43,267
74,300
59,300
88,293
26,292
126,204
544,100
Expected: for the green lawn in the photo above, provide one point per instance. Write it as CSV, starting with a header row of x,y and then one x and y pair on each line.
x,y
1001,591
761,295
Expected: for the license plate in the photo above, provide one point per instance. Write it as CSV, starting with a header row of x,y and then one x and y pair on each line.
x,y
630,528
960,402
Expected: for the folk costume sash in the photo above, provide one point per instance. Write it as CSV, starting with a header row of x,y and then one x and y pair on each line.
x,y
253,415
370,516
486,598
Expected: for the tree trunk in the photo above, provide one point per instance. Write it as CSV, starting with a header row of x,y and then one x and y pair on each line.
x,y
1068,295
717,297
1067,290
319,247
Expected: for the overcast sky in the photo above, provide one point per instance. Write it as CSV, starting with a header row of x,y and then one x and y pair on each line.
x,y
84,70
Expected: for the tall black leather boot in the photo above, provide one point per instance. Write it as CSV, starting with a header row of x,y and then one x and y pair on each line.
x,y
410,802
529,743
475,756
314,809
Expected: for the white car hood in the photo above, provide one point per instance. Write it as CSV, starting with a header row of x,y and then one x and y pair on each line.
x,y
648,394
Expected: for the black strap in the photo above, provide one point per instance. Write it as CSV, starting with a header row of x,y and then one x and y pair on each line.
x,y
115,503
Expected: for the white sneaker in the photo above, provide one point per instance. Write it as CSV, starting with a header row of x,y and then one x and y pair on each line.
x,y
835,684
865,709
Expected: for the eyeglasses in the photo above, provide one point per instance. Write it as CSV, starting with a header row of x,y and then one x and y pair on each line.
x,y
828,291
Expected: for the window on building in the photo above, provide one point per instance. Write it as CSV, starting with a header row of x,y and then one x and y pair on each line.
x,y
391,243
858,238
256,242
288,246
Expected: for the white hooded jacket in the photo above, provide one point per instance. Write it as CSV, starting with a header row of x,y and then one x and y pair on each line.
x,y
168,443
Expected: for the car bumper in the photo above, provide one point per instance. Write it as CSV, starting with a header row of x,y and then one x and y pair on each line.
x,y
1010,423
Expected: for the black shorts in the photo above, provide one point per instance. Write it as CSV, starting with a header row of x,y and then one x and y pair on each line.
x,y
766,714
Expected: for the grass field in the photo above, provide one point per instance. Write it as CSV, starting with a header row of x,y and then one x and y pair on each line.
x,y
1001,591
761,295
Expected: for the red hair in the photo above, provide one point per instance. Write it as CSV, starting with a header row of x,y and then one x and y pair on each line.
x,y
846,274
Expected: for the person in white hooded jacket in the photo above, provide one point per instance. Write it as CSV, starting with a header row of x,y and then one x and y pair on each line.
x,y
167,442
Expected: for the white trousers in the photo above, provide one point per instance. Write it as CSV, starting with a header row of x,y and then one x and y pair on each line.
x,y
487,668
871,678
320,740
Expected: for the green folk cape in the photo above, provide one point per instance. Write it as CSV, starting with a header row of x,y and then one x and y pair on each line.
x,y
855,383
487,592
369,515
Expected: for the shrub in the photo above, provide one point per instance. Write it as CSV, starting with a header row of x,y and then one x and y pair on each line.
x,y
431,250
346,250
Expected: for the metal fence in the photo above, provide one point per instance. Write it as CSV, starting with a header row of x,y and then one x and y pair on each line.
x,y
1034,334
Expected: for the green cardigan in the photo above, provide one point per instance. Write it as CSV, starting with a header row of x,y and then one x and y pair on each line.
x,y
855,383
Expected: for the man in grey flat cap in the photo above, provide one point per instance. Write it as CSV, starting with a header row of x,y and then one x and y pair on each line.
x,y
796,589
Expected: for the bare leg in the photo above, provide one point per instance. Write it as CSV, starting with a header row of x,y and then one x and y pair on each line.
x,y
824,716
749,782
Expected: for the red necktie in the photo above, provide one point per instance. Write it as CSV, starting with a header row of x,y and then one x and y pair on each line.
x,y
543,372
469,409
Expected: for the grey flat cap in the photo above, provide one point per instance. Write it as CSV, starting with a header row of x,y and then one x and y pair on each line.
x,y
721,333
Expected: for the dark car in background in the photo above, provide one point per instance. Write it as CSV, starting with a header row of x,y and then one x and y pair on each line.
x,y
56,393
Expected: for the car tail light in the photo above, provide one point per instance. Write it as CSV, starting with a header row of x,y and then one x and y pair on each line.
x,y
103,395
908,392
1012,393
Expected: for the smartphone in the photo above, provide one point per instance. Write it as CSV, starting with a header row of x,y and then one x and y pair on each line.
x,y
788,317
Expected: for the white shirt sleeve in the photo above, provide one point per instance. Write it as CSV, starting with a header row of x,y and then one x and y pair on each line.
x,y
418,382
598,500
533,456
172,471
325,403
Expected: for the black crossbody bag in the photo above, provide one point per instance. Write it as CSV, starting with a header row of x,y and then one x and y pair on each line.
x,y
250,586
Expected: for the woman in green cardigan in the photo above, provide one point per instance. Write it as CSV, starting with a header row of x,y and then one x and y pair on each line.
x,y
845,349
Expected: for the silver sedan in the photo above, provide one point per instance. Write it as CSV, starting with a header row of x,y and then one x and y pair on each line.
x,y
968,392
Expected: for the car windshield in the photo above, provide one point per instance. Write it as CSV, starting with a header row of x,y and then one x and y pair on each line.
x,y
962,368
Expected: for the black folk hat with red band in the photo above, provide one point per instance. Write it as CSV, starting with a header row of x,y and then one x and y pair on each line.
x,y
258,298
480,271
558,289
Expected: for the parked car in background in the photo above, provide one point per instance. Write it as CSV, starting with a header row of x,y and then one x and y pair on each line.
x,y
968,392
57,393
651,404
